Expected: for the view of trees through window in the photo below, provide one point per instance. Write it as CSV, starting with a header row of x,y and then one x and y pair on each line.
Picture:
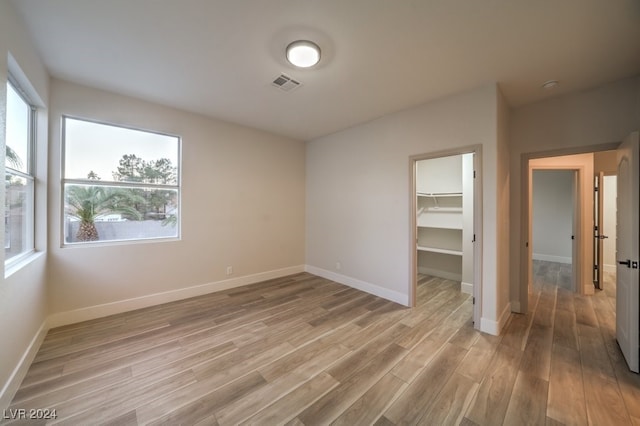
x,y
133,197
19,176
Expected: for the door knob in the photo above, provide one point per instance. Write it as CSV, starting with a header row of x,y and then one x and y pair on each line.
x,y
625,262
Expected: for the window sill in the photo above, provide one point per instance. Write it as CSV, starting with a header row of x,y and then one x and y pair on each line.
x,y
14,266
108,243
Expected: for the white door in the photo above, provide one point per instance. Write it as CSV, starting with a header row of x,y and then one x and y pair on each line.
x,y
628,234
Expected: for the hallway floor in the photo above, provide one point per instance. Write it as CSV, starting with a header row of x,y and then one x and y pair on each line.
x,y
571,368
555,273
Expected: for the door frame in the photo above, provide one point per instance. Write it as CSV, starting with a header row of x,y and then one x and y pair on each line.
x,y
524,270
576,245
598,243
601,228
477,224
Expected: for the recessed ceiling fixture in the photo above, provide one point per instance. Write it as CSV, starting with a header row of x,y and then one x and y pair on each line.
x,y
303,53
549,84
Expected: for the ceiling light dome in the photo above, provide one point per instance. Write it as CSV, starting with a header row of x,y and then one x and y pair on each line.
x,y
303,53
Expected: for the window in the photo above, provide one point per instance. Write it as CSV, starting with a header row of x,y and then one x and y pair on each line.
x,y
120,184
19,176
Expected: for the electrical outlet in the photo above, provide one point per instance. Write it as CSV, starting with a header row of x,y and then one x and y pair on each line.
x,y
338,266
229,270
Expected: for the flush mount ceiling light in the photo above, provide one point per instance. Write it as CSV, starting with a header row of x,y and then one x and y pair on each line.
x,y
303,53
549,84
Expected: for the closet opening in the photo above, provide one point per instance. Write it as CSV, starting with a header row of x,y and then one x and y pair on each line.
x,y
445,229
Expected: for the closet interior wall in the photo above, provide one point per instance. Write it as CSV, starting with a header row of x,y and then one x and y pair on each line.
x,y
444,189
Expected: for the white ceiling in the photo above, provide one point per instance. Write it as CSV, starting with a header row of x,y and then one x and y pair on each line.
x,y
218,57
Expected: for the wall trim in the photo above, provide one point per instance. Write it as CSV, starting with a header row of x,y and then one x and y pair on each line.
x,y
495,327
551,258
466,288
20,371
374,289
98,311
610,268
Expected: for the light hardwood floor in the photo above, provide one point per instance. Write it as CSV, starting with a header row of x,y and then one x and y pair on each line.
x,y
305,350
553,272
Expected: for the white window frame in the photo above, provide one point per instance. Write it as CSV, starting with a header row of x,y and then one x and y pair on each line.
x,y
29,175
71,181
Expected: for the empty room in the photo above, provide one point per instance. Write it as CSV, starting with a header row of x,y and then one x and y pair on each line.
x,y
320,212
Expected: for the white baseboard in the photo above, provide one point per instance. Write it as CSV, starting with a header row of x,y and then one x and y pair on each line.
x,y
20,371
610,268
385,293
99,311
551,258
495,327
440,273
466,288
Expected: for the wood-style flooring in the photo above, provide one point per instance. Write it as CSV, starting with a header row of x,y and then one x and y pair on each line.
x,y
553,273
305,350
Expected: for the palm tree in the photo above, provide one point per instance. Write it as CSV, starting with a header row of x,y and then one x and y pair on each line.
x,y
171,220
86,203
12,158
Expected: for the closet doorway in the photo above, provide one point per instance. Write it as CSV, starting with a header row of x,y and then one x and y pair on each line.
x,y
445,223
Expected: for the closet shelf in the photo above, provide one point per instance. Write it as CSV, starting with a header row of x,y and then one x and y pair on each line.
x,y
449,227
436,220
443,209
439,194
434,209
440,250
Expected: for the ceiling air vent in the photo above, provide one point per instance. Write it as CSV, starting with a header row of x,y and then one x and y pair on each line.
x,y
285,83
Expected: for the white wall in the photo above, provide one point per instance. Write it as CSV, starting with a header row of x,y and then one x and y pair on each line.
x,y
566,124
552,210
242,206
439,175
23,294
503,214
358,194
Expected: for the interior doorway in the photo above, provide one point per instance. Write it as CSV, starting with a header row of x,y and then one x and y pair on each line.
x,y
446,223
554,227
617,168
587,165
575,232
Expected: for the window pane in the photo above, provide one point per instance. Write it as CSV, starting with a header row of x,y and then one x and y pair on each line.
x,y
110,153
113,213
18,113
18,216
